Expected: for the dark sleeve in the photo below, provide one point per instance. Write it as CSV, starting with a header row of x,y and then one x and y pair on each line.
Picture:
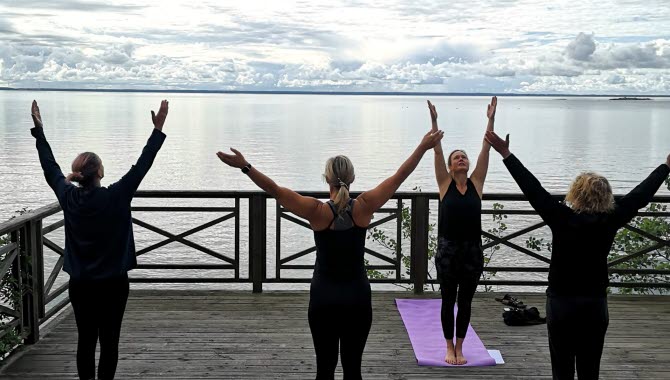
x,y
550,209
52,171
628,205
129,183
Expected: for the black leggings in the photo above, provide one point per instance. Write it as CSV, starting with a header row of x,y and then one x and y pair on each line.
x,y
459,265
98,309
344,326
577,328
466,290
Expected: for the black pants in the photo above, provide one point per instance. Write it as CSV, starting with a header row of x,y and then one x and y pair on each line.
x,y
459,266
98,309
577,327
339,327
465,289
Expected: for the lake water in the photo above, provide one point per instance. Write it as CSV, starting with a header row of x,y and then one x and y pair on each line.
x,y
289,137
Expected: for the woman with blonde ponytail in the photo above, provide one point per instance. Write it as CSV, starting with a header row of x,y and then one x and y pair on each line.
x,y
340,310
99,243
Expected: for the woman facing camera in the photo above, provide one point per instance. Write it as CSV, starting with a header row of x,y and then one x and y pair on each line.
x,y
459,260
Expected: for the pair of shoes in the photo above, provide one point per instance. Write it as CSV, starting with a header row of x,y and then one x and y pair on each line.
x,y
522,317
508,300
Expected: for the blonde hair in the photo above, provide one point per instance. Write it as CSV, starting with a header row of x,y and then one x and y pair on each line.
x,y
339,173
590,193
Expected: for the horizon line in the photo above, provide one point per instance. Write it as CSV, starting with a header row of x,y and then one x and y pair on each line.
x,y
324,92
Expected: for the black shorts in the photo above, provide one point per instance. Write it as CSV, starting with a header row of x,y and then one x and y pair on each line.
x,y
456,260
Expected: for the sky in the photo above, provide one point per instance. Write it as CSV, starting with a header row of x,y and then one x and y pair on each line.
x,y
492,46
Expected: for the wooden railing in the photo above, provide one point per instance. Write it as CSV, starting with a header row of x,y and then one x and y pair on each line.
x,y
22,258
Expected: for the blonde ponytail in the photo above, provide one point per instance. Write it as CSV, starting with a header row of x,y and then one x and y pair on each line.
x,y
339,173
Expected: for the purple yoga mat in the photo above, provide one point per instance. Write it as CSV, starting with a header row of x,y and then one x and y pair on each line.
x,y
424,327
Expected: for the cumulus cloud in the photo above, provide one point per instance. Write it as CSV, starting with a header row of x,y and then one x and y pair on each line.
x,y
342,45
582,47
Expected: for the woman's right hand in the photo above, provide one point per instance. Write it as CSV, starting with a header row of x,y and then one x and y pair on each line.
x,y
433,115
159,119
35,113
431,139
235,160
501,146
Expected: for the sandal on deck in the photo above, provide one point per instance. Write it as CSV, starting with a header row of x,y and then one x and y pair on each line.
x,y
508,300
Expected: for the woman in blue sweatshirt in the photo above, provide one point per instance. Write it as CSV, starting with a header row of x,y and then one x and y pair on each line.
x,y
99,243
583,231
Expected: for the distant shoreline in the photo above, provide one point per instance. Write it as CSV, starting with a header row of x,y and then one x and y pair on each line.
x,y
359,93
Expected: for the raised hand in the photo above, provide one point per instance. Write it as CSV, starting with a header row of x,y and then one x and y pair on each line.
x,y
159,119
35,113
430,139
500,145
433,114
667,160
235,160
491,109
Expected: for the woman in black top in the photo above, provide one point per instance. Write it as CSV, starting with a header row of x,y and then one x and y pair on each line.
x,y
459,260
340,311
99,243
583,232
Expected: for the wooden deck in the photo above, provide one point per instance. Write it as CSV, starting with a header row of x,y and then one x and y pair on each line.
x,y
240,335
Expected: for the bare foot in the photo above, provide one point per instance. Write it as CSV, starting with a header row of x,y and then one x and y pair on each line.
x,y
451,354
460,359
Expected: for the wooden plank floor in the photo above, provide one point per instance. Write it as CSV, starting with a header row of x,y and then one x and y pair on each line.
x,y
239,335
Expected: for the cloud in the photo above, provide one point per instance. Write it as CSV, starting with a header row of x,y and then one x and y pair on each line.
x,y
651,55
70,5
344,45
6,26
582,47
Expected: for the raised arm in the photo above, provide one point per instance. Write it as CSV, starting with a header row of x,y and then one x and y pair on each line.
x,y
129,183
550,209
370,201
479,174
308,208
52,172
628,205
441,170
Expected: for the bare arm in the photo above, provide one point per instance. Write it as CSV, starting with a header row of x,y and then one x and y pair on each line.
x,y
372,200
441,171
479,174
305,207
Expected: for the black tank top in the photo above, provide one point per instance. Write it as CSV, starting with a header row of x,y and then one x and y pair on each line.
x,y
461,214
340,248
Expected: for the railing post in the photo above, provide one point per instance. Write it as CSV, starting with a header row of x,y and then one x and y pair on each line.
x,y
37,249
15,237
30,261
419,242
257,240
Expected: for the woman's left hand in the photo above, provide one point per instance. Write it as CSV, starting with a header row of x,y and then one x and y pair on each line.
x,y
491,110
235,160
35,113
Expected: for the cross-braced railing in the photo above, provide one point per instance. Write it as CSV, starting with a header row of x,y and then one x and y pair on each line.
x,y
247,215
